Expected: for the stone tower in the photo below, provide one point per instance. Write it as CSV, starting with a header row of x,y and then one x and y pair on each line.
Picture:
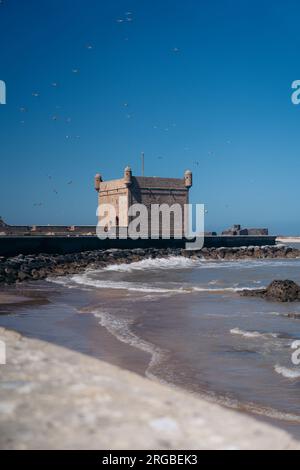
x,y
122,193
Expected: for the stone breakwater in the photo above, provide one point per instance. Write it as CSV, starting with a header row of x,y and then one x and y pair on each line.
x,y
35,267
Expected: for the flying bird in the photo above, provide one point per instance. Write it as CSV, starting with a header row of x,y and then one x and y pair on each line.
x,y
35,94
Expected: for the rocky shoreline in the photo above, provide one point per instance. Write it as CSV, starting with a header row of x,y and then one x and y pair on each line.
x,y
39,266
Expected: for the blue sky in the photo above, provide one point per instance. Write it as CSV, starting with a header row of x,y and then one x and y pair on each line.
x,y
204,85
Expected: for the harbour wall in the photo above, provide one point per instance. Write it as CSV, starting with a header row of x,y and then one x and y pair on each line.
x,y
15,245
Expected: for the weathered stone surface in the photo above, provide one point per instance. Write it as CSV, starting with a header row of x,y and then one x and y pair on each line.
x,y
280,291
54,398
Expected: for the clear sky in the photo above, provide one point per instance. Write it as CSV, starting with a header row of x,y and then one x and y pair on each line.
x,y
197,84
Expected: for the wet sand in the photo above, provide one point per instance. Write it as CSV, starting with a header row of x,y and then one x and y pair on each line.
x,y
6,299
59,317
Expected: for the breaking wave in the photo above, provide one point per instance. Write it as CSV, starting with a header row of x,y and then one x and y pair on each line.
x,y
253,334
172,262
181,262
86,280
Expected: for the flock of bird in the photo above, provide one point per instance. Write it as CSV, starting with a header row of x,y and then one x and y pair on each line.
x,y
125,19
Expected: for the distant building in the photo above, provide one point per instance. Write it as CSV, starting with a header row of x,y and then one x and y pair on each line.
x,y
124,192
237,230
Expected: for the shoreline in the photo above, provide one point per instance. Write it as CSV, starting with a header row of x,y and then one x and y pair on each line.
x,y
37,267
263,253
137,357
61,399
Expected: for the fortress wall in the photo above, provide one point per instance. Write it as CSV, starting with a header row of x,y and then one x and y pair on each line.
x,y
14,245
160,191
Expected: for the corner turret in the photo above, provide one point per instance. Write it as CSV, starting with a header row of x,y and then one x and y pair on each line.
x,y
188,179
97,181
127,176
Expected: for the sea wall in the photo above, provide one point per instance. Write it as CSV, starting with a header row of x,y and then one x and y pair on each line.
x,y
54,398
15,245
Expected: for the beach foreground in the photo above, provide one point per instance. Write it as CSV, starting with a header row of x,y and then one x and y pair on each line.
x,y
54,398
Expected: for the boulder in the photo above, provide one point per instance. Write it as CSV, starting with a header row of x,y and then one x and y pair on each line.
x,y
280,291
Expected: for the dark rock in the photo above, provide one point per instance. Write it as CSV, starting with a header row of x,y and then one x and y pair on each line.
x,y
280,291
22,276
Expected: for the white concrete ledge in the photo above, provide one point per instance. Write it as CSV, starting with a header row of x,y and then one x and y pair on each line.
x,y
54,398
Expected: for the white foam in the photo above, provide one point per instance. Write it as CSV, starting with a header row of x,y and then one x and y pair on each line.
x,y
252,334
85,280
172,262
120,328
220,289
181,262
286,372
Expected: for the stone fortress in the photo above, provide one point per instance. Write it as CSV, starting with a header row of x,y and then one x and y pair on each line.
x,y
122,193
